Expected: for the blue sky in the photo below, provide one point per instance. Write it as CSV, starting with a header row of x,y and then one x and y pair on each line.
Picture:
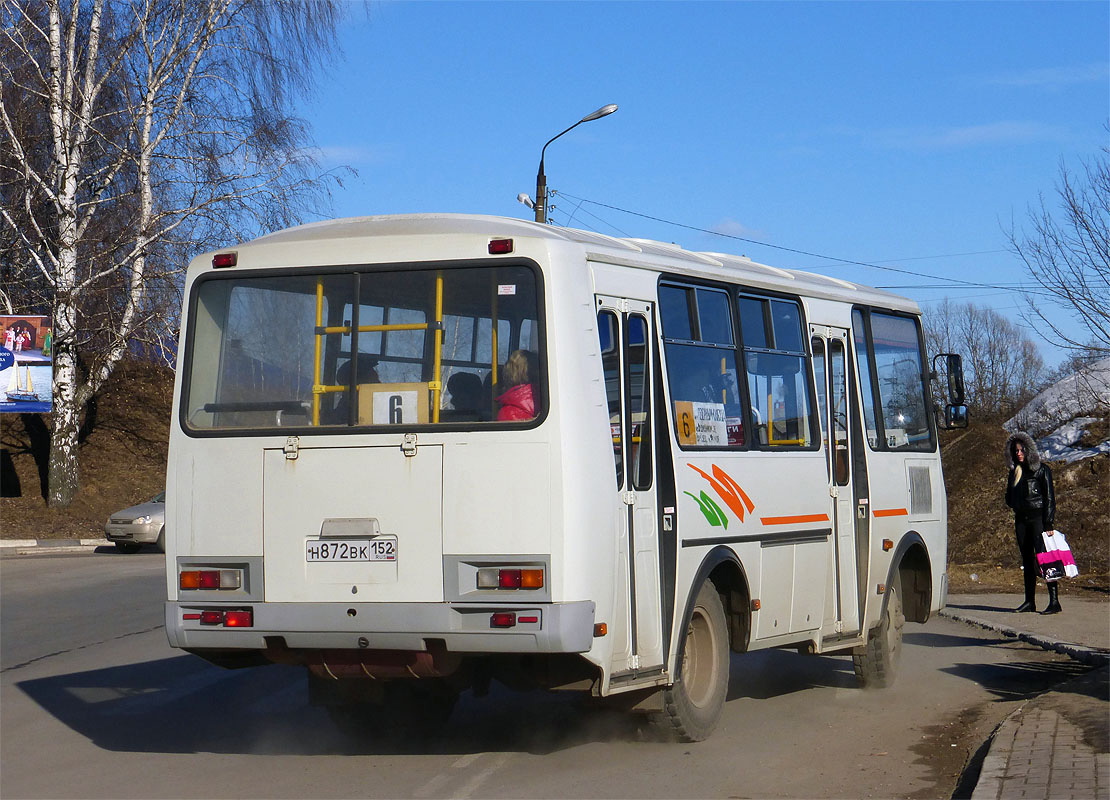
x,y
900,134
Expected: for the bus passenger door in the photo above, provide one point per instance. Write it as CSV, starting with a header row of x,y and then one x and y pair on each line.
x,y
627,339
830,347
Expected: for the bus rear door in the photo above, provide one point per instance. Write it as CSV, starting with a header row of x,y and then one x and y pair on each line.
x,y
627,340
830,370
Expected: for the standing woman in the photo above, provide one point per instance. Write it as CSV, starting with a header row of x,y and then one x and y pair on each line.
x,y
1030,494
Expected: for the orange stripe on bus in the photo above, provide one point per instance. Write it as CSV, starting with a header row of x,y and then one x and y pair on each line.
x,y
890,512
795,519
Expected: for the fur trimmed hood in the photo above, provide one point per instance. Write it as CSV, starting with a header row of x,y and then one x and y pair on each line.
x,y
1032,457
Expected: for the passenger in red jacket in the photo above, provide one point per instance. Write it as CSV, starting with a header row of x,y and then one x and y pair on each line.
x,y
518,402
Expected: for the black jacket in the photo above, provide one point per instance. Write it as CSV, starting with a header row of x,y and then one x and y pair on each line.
x,y
1031,494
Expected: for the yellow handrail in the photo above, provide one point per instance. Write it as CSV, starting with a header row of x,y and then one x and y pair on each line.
x,y
435,384
771,427
408,326
317,389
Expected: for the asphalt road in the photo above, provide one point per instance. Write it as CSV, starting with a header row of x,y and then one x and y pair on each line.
x,y
95,704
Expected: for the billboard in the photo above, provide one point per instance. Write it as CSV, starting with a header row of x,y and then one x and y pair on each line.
x,y
26,366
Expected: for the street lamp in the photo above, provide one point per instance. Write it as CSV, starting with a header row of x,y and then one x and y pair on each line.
x,y
541,179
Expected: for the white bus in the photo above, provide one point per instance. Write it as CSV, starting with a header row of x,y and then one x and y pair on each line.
x,y
419,453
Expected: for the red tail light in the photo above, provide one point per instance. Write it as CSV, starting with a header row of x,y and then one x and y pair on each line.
x,y
239,619
502,619
229,619
509,579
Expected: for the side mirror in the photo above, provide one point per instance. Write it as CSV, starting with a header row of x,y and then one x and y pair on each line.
x,y
955,416
955,366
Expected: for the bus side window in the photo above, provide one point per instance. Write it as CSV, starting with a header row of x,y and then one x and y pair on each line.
x,y
610,364
701,366
778,381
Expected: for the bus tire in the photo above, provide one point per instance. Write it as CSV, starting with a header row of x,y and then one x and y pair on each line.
x,y
692,705
876,663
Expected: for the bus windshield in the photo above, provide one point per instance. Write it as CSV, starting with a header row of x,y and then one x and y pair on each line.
x,y
429,346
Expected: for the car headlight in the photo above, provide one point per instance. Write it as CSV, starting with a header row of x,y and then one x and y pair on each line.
x,y
142,520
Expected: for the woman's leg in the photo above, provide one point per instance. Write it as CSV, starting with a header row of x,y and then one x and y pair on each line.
x,y
1026,533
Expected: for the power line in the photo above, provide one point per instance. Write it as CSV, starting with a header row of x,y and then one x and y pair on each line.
x,y
817,267
783,248
1006,287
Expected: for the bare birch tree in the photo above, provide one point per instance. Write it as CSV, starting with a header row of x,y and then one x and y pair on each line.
x,y
1001,364
1067,253
168,130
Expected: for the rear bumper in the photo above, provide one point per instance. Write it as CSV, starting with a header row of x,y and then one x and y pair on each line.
x,y
463,628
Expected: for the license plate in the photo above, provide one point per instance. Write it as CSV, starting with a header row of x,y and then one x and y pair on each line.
x,y
381,549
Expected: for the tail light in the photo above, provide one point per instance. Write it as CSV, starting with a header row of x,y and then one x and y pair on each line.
x,y
509,578
210,579
239,618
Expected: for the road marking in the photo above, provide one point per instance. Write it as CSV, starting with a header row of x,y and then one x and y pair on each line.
x,y
467,789
466,761
472,785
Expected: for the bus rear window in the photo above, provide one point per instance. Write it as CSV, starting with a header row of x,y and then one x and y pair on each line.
x,y
369,348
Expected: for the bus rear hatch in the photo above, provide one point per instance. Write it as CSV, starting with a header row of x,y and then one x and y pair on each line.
x,y
355,524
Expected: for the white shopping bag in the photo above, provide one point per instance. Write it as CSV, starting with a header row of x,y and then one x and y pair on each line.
x,y
1056,545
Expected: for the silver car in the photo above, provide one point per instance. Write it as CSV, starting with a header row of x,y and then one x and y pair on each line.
x,y
143,524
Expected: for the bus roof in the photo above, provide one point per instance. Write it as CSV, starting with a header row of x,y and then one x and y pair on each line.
x,y
599,247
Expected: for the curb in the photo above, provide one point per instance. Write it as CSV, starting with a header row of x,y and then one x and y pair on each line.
x,y
51,545
1091,656
993,769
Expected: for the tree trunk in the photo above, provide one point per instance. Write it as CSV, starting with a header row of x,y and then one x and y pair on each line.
x,y
63,478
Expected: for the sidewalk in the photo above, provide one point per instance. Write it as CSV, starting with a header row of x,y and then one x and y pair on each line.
x,y
1055,745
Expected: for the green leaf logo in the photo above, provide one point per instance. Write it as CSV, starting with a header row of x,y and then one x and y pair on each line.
x,y
712,512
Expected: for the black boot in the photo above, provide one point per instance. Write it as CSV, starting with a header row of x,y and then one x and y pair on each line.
x,y
1029,578
1053,606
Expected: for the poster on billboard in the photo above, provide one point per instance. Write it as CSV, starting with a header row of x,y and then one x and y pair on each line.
x,y
26,366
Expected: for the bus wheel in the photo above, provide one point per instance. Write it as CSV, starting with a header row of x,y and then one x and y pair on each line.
x,y
692,705
876,663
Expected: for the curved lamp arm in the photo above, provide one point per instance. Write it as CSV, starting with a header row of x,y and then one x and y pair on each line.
x,y
541,178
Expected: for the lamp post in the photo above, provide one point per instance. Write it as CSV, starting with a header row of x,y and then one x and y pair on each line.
x,y
541,179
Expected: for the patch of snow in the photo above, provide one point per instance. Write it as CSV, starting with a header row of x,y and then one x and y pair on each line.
x,y
1060,444
1085,392
1054,418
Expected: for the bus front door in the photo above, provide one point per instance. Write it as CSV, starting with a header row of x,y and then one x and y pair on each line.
x,y
830,347
627,339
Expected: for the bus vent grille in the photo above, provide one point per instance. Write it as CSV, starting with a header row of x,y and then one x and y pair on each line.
x,y
921,491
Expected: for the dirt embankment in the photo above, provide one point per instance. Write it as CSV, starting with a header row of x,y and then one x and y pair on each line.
x,y
981,527
123,457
